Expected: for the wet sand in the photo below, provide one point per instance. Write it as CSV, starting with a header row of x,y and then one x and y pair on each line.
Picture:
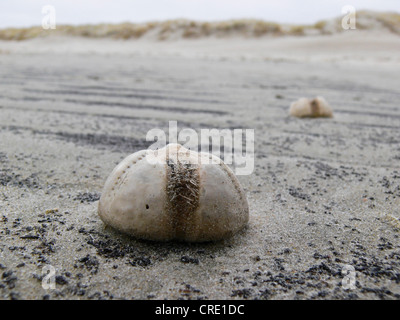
x,y
325,193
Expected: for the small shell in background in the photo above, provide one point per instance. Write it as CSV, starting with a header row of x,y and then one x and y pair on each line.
x,y
311,108
174,194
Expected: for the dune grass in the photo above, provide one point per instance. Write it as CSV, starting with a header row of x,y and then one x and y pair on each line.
x,y
180,28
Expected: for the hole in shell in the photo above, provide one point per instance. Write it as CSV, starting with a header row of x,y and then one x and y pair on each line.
x,y
147,206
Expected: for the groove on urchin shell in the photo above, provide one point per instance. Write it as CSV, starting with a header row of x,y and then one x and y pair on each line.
x,y
183,193
315,108
120,179
232,178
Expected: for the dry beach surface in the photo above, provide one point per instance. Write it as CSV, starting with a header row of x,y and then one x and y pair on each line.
x,y
325,193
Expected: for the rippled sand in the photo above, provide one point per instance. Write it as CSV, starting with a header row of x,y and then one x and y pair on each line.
x,y
325,193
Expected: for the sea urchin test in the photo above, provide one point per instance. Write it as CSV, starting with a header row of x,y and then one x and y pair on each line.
x,y
311,108
174,194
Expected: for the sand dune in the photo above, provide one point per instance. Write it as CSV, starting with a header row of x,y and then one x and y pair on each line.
x,y
186,29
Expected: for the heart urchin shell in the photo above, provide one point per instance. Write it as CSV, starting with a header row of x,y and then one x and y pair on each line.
x,y
174,194
311,108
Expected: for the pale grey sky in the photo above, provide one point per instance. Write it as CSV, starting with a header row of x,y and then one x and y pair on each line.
x,y
20,13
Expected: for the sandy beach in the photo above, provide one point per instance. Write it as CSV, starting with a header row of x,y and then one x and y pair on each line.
x,y
325,193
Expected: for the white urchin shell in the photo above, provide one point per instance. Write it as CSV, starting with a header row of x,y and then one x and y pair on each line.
x,y
314,108
153,195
